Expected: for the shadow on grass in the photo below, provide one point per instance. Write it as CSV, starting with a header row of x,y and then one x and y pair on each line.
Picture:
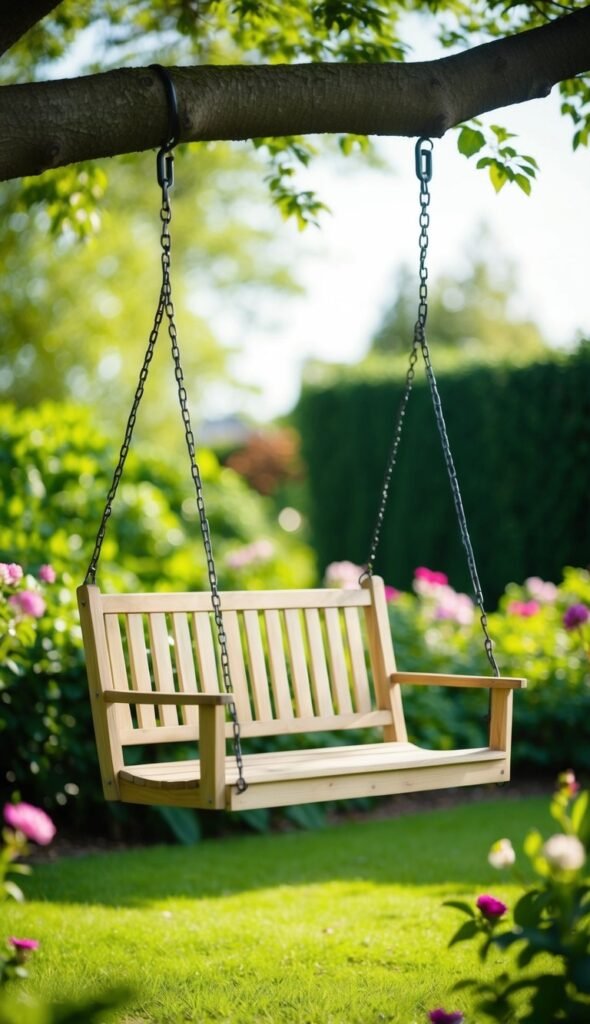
x,y
430,849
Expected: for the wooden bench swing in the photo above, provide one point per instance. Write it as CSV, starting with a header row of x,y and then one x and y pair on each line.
x,y
168,668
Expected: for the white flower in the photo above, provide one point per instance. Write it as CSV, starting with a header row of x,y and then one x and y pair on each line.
x,y
502,854
564,852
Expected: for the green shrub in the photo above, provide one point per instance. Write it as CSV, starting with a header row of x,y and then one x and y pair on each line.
x,y
55,471
520,437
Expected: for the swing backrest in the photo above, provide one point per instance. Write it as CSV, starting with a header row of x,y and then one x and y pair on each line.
x,y
301,661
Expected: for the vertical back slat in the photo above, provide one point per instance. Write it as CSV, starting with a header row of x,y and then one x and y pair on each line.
x,y
205,652
118,667
278,667
257,667
360,679
339,674
298,662
388,696
237,668
319,670
185,665
140,670
162,664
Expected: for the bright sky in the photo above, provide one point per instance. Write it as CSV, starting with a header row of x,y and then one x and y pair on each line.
x,y
348,268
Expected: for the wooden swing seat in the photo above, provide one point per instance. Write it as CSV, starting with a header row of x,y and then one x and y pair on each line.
x,y
301,662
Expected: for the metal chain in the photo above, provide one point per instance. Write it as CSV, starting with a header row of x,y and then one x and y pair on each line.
x,y
165,173
424,173
166,216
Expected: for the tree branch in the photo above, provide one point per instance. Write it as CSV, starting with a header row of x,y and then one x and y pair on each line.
x,y
44,125
16,19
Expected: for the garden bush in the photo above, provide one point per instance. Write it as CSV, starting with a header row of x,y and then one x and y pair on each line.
x,y
520,437
55,471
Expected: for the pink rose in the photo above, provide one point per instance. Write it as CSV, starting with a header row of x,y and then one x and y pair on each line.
x,y
10,572
34,823
523,608
391,594
431,576
28,602
23,947
491,908
47,574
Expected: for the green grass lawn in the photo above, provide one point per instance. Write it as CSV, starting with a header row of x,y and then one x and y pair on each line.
x,y
342,925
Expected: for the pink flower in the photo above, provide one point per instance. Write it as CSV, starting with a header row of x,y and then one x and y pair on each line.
x,y
391,594
47,574
23,947
25,944
28,602
34,823
491,908
540,590
343,574
576,615
523,608
10,572
567,781
445,1016
431,576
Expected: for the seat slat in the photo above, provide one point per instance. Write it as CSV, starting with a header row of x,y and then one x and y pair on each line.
x,y
320,763
360,678
258,676
118,667
339,674
162,664
205,652
319,671
185,665
237,668
278,667
298,661
140,670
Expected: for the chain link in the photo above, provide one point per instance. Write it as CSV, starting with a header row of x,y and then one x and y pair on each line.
x,y
424,174
165,307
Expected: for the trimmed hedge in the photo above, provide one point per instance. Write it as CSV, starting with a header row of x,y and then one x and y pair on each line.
x,y
521,442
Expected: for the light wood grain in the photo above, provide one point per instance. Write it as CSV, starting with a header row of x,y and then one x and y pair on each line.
x,y
298,661
383,659
360,679
98,667
320,680
237,667
337,662
212,759
185,665
501,719
278,666
162,665
258,676
235,600
205,651
118,667
478,682
140,671
166,700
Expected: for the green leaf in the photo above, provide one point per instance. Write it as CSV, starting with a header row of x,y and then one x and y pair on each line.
x,y
523,182
470,141
13,890
528,909
465,908
499,175
183,823
468,930
533,844
501,133
530,160
485,161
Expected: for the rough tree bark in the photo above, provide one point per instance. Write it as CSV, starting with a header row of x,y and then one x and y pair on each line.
x,y
44,125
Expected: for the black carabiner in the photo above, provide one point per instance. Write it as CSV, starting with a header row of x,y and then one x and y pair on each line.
x,y
424,158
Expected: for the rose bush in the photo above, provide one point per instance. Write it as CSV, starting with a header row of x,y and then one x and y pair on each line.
x,y
548,934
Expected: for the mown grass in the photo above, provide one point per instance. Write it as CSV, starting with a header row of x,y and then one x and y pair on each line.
x,y
341,926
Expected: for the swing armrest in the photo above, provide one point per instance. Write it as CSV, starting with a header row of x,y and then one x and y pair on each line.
x,y
153,697
500,687
477,682
211,734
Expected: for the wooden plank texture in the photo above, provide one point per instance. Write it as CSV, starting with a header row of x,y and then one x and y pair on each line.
x,y
320,679
140,670
257,666
360,678
162,664
337,661
298,662
278,666
185,665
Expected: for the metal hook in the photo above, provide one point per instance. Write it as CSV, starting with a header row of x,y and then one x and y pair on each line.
x,y
165,157
424,158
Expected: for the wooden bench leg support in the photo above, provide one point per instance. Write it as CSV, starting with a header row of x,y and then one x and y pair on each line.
x,y
212,755
501,719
